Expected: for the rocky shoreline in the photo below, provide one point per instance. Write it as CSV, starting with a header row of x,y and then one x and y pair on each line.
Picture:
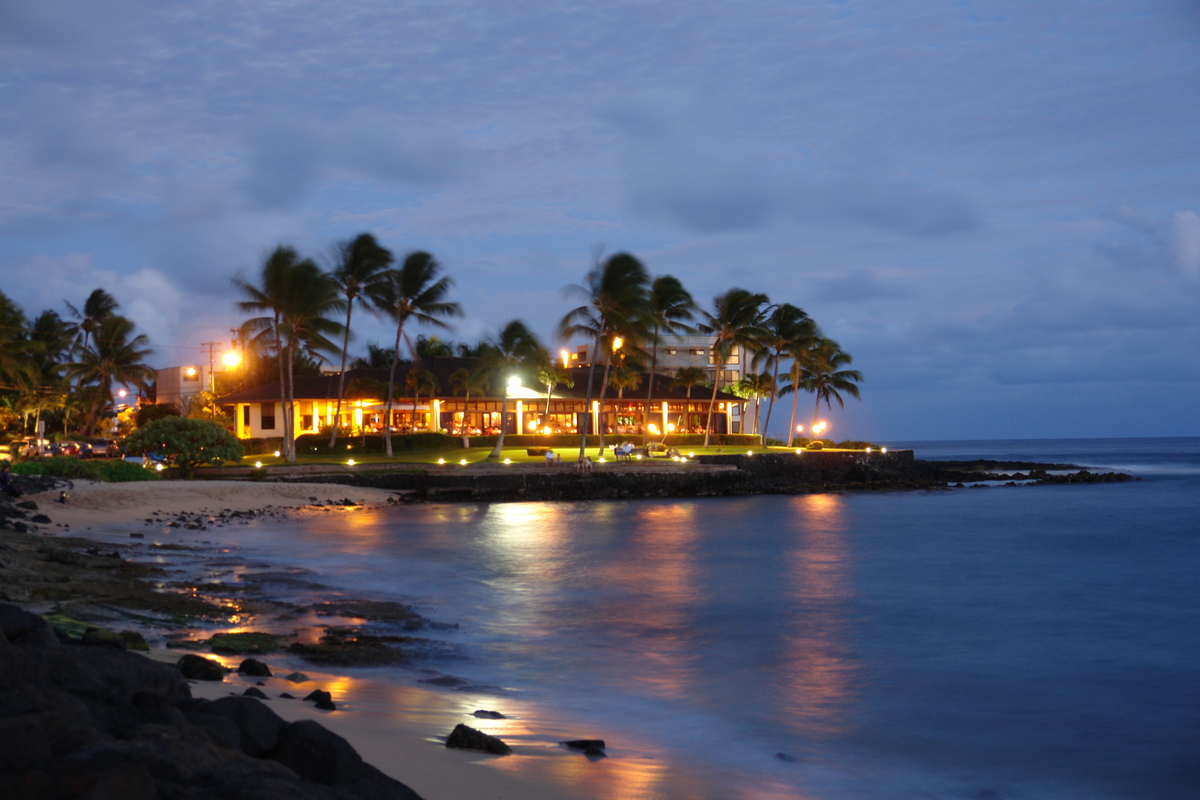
x,y
729,475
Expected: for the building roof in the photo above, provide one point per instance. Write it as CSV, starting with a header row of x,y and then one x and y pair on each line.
x,y
325,387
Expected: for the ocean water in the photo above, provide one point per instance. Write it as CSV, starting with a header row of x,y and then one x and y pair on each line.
x,y
1005,642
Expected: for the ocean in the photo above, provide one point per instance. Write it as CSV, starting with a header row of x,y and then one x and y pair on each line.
x,y
995,643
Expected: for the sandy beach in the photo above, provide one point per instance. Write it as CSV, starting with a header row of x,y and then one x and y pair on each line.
x,y
405,748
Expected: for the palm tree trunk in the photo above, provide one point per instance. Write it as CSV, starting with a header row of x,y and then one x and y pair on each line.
x,y
603,391
387,408
711,404
337,414
503,424
289,412
587,408
650,391
462,429
771,401
816,410
795,399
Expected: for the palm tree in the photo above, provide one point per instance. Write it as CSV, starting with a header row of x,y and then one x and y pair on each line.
x,y
755,386
467,381
514,349
552,374
785,325
616,310
298,296
671,308
800,351
736,322
99,306
418,381
415,293
17,352
361,276
824,377
687,377
624,377
113,355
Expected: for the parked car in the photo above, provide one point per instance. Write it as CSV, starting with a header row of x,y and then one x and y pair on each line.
x,y
103,448
30,446
65,448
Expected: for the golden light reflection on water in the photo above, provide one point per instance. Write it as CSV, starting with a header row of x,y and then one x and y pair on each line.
x,y
818,674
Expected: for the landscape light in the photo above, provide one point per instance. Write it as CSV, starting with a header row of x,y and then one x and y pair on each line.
x,y
682,460
277,454
546,430
508,461
691,454
749,452
158,467
883,449
674,458
122,393
441,461
670,427
532,425
350,462
463,461
638,457
617,342
566,357
868,451
799,451
653,428
601,459
799,429
258,465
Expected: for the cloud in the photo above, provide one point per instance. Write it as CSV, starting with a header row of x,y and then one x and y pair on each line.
x,y
855,286
698,173
1184,238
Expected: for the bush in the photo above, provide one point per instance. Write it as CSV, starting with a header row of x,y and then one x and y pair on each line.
x,y
71,468
185,443
154,411
261,447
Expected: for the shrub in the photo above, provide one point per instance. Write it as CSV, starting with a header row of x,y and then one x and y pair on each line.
x,y
185,443
118,471
67,467
154,411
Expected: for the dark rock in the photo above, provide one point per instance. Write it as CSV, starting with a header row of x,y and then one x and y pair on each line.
x,y
28,505
244,642
287,696
296,677
137,536
199,668
481,714
99,637
321,756
592,748
134,641
255,692
41,519
19,626
464,737
323,700
258,726
254,668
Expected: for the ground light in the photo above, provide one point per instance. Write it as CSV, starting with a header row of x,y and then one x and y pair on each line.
x,y
883,449
350,462
277,454
508,461
258,465
463,462
158,467
799,451
749,452
601,459
868,451
441,461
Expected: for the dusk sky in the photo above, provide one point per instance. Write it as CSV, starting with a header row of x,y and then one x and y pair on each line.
x,y
993,206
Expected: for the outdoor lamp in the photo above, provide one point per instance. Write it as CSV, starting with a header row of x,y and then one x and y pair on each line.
x,y
514,382
190,372
566,357
350,462
231,358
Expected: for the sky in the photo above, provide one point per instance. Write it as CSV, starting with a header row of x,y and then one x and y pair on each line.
x,y
994,207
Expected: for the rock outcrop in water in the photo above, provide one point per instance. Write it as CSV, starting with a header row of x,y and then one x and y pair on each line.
x,y
100,722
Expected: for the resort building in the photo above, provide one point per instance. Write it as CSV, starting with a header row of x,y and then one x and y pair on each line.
x,y
258,411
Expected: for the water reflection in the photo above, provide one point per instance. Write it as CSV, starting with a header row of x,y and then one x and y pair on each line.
x,y
818,674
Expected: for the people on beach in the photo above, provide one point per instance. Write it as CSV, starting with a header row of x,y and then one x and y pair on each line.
x,y
549,458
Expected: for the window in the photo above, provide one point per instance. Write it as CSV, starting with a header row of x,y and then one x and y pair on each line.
x,y
733,358
268,417
246,416
696,351
671,351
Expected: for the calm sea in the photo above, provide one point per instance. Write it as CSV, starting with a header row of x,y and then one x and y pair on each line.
x,y
1001,642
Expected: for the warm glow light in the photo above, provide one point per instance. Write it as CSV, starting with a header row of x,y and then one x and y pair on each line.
x,y
190,372
617,342
868,450
351,462
799,451
601,459
546,430
670,427
532,425
638,457
799,429
231,358
566,357
514,382
258,465
749,452
277,454
463,461
682,460
883,449
508,461
674,458
158,467
691,454
441,461
653,428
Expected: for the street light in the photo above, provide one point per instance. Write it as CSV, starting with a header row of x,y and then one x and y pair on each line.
x,y
231,359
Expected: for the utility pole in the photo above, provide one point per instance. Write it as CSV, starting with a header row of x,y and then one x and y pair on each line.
x,y
212,379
